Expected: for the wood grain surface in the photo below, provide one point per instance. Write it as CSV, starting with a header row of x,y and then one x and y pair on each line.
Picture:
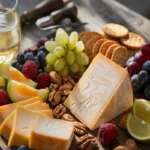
x,y
96,13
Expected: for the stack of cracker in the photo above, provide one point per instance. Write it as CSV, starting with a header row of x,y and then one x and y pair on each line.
x,y
116,43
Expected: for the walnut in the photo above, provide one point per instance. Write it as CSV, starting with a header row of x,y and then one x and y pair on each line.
x,y
68,79
54,97
53,87
79,128
121,148
59,111
65,89
55,77
67,117
131,144
87,142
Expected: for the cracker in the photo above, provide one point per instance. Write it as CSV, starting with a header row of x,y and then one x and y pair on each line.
x,y
97,46
133,40
120,55
81,34
110,50
115,30
89,46
88,35
105,46
132,51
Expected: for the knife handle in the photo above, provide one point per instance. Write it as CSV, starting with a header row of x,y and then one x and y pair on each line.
x,y
68,11
42,9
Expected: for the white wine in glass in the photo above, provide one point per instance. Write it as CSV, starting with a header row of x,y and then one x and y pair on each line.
x,y
10,30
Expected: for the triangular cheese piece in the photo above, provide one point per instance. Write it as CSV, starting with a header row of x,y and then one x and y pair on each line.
x,y
103,92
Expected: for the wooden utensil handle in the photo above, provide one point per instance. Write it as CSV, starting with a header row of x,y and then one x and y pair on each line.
x,y
68,11
42,9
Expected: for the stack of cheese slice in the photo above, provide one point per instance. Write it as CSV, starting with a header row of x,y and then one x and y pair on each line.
x,y
103,92
24,123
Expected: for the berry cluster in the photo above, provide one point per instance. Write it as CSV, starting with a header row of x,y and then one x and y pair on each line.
x,y
139,70
37,55
32,64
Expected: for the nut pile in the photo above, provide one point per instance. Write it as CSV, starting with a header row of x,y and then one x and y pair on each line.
x,y
60,88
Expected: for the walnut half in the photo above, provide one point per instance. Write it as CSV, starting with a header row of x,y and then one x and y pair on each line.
x,y
59,111
79,128
67,117
87,142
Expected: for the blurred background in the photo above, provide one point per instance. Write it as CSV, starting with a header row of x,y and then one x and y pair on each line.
x,y
140,6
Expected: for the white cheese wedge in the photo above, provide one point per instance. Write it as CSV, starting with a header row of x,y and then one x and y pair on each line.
x,y
52,134
103,92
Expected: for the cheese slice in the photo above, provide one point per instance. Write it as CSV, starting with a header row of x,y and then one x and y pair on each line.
x,y
7,125
23,123
103,92
6,110
53,134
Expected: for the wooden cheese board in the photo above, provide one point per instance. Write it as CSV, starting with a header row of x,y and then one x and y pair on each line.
x,y
101,11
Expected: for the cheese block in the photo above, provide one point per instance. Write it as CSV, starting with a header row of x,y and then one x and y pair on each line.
x,y
6,110
7,125
53,134
103,92
23,123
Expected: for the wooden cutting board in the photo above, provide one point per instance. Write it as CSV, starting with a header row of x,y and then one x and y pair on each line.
x,y
96,13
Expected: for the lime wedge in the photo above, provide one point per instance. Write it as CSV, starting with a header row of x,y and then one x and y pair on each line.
x,y
141,109
138,129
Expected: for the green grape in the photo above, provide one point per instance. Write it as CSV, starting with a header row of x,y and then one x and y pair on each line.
x,y
59,51
82,68
50,46
60,64
79,46
64,71
62,37
82,59
51,59
74,68
49,68
70,57
73,38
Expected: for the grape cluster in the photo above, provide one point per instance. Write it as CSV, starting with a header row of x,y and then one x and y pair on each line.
x,y
37,55
139,70
66,54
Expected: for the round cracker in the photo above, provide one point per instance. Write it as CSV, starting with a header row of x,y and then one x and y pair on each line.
x,y
110,50
97,46
120,55
115,30
89,46
81,34
88,35
133,40
105,46
132,52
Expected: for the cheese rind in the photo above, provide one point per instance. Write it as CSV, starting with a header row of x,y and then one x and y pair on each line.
x,y
53,134
7,125
23,122
6,110
103,92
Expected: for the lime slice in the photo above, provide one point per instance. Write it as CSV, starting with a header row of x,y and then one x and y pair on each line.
x,y
141,109
138,129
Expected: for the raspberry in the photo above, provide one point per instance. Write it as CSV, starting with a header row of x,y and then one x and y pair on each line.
x,y
43,80
27,50
107,133
3,97
29,69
